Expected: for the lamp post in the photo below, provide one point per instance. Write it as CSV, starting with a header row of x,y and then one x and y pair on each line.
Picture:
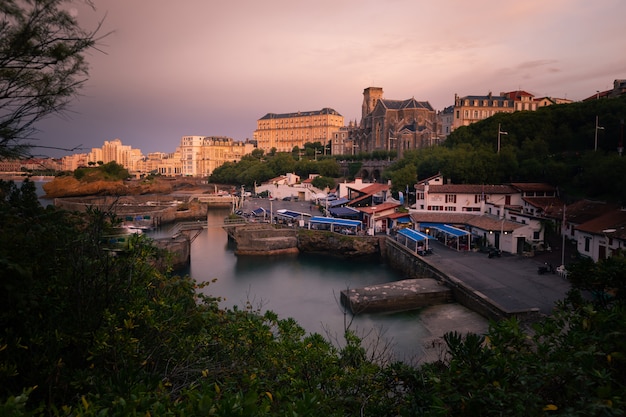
x,y
500,132
596,139
373,228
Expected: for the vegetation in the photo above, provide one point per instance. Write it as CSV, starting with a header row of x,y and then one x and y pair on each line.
x,y
89,333
111,171
42,67
554,144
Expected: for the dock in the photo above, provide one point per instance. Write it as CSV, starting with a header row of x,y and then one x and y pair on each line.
x,y
404,295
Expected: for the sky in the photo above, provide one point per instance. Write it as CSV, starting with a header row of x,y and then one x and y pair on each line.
x,y
169,69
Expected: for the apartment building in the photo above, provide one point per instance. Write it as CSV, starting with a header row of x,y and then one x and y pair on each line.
x,y
285,131
165,164
114,150
200,155
472,109
393,125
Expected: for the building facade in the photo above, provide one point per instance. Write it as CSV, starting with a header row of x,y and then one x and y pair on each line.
x,y
200,155
285,131
472,109
393,125
114,150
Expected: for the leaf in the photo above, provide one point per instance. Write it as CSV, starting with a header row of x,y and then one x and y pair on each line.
x,y
269,395
550,407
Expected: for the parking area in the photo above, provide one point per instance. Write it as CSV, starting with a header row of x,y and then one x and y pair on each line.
x,y
511,281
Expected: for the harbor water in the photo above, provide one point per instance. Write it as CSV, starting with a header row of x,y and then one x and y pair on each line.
x,y
307,288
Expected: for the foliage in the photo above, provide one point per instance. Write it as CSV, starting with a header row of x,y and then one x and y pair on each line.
x,y
42,67
323,183
111,171
257,168
89,333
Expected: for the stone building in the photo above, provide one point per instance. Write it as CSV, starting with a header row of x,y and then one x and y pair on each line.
x,y
114,150
285,131
472,109
393,125
200,155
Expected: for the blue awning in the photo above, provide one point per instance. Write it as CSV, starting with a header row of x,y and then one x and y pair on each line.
x,y
259,212
413,235
345,212
338,202
446,228
292,214
334,221
405,219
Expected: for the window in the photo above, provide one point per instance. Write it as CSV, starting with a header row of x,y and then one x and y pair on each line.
x,y
478,198
536,236
587,243
450,208
420,196
451,198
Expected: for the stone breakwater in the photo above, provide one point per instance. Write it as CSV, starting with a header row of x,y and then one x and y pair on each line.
x,y
265,239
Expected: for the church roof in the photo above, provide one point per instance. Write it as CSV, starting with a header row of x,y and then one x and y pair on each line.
x,y
406,104
325,110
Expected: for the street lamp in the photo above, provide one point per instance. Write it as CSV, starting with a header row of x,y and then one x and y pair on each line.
x,y
597,128
373,229
500,132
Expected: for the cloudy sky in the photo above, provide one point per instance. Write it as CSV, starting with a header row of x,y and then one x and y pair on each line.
x,y
209,67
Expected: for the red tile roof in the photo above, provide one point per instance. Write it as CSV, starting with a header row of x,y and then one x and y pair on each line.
x,y
612,224
583,211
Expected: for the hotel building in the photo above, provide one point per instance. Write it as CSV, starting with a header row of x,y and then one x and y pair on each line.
x,y
200,155
285,131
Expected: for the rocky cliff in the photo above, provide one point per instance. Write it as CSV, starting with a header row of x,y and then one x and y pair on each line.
x,y
71,187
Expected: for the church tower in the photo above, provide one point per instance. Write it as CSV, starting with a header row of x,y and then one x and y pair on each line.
x,y
371,95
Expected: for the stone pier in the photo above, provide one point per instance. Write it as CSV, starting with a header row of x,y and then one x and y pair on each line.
x,y
408,294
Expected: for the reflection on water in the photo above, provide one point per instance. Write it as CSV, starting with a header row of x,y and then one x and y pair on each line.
x,y
305,287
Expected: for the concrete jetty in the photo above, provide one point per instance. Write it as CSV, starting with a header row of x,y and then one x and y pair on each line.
x,y
408,294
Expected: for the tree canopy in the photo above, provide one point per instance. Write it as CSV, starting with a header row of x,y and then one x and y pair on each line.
x,y
42,67
86,332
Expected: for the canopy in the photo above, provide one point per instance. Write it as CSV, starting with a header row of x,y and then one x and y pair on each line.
x,y
259,212
293,215
414,235
334,221
337,202
344,212
446,228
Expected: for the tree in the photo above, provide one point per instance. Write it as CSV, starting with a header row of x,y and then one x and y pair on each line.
x,y
42,67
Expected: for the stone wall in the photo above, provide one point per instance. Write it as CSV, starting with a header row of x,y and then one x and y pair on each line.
x,y
263,239
314,241
162,209
413,266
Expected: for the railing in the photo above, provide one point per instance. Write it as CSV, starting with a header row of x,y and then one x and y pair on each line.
x,y
234,221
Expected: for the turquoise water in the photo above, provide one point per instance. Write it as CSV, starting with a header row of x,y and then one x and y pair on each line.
x,y
304,287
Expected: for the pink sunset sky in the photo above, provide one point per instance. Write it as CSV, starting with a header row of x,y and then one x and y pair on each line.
x,y
212,68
